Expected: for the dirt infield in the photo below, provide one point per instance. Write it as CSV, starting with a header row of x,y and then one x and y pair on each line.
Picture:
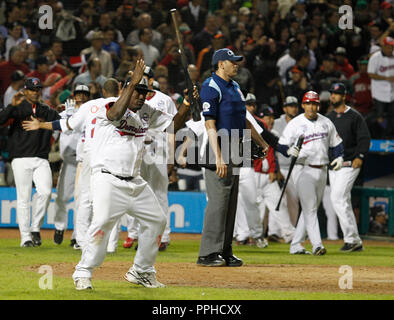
x,y
285,277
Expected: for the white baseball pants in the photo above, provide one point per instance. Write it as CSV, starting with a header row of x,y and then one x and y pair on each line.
x,y
292,200
341,183
310,183
65,191
157,178
332,220
112,198
26,171
84,210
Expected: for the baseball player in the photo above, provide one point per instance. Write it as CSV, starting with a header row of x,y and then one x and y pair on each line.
x,y
154,167
353,130
29,153
68,145
83,123
309,173
290,109
117,187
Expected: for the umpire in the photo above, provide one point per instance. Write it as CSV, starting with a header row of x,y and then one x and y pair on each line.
x,y
354,132
29,157
224,110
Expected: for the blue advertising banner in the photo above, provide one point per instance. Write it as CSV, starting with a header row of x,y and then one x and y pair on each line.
x,y
382,146
186,211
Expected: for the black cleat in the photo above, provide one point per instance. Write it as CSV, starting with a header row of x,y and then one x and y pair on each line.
x,y
233,261
163,246
36,238
28,244
58,236
352,247
320,251
211,260
73,242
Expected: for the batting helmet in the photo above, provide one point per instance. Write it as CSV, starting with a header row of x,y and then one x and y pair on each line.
x,y
311,96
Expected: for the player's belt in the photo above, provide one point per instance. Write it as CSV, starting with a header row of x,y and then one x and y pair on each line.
x,y
320,166
119,177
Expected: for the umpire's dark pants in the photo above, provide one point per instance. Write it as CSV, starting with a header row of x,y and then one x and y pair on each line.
x,y
219,218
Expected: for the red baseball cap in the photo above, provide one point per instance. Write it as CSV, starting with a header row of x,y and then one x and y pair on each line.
x,y
386,5
311,96
388,41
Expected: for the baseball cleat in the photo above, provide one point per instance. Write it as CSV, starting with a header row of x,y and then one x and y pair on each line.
x,y
83,284
129,242
72,242
261,243
28,244
303,251
233,261
146,279
163,246
211,260
242,242
352,247
58,236
77,246
320,251
36,238
273,238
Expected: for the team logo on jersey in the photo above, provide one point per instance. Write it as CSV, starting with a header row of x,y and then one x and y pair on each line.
x,y
206,106
94,109
145,117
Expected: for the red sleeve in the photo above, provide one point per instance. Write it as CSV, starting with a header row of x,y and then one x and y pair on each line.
x,y
166,60
271,160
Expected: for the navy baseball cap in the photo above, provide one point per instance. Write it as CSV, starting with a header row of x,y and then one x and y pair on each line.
x,y
338,88
224,54
33,84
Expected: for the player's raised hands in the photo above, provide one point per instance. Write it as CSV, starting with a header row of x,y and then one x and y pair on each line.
x,y
195,95
138,72
34,124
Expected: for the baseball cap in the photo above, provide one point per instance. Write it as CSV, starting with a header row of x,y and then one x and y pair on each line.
x,y
363,60
225,54
338,88
33,84
295,69
82,89
244,11
266,111
142,86
149,72
250,97
218,35
17,75
97,35
340,51
385,5
311,96
292,41
156,85
42,60
291,100
389,41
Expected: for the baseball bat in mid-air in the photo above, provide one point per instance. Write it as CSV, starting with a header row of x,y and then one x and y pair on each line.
x,y
194,103
292,163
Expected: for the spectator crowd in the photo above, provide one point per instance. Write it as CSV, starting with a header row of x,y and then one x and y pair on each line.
x,y
290,47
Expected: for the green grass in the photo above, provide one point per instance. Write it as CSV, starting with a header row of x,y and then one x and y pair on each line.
x,y
16,282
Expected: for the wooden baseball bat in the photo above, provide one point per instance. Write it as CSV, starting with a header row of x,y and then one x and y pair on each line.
x,y
194,103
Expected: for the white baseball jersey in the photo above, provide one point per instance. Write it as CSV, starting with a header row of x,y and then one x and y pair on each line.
x,y
379,64
279,126
319,135
117,146
159,146
82,123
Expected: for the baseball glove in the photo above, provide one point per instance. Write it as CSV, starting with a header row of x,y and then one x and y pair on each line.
x,y
257,152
